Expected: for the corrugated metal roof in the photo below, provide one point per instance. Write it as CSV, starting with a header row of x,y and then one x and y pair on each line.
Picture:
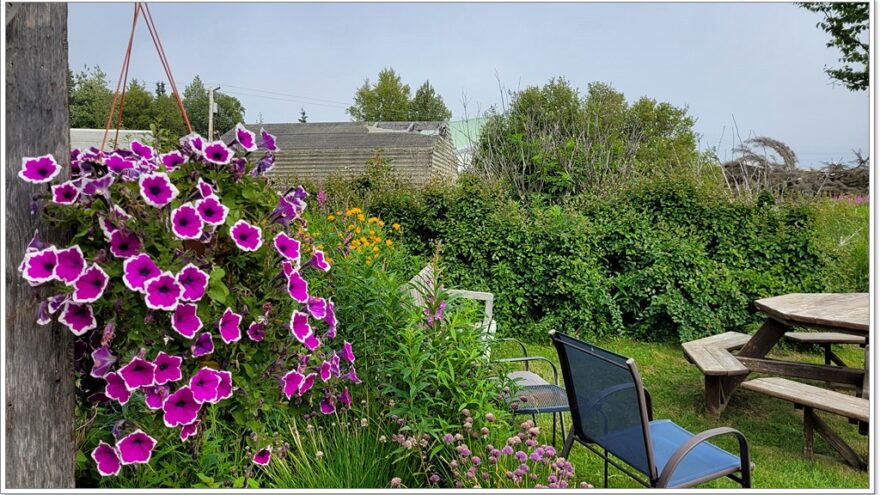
x,y
86,138
344,135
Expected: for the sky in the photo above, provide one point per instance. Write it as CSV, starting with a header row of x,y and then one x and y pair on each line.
x,y
742,69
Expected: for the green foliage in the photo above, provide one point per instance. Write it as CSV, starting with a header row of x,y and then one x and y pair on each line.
x,y
843,225
389,100
89,98
195,100
848,24
427,105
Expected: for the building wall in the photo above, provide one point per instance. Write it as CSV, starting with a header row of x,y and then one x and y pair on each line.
x,y
86,138
319,164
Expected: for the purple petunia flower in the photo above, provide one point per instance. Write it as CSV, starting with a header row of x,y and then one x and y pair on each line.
x,y
106,459
345,398
38,267
297,287
307,383
318,261
334,364
245,138
205,385
167,368
142,150
230,326
89,287
291,382
217,153
324,371
124,244
79,318
192,143
211,210
263,456
205,188
43,317
138,373
194,282
189,430
65,193
70,264
246,236
163,292
287,247
157,189
107,226
347,352
180,408
299,325
317,307
186,223
154,397
224,390
102,360
118,164
115,388
352,375
312,342
203,345
99,186
185,320
327,407
330,319
172,160
256,331
138,270
265,164
268,140
39,170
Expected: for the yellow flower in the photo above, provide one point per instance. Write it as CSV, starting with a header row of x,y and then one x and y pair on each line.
x,y
372,232
388,242
331,217
358,230
329,261
372,219
320,246
375,249
361,217
395,226
338,213
381,223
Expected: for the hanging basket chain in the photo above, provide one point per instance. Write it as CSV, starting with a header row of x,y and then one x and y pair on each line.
x,y
123,73
157,42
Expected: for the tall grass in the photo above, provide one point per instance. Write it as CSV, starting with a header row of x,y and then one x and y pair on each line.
x,y
843,226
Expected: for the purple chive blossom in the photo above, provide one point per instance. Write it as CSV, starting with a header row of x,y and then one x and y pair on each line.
x,y
194,282
180,408
117,164
217,153
246,236
317,307
138,373
307,383
79,318
154,397
345,398
38,267
324,371
115,388
124,244
297,287
256,331
39,170
205,189
189,430
185,320
106,459
230,326
291,382
157,189
102,360
287,247
299,325
136,448
163,292
203,345
211,210
245,138
65,193
205,385
172,160
224,390
99,186
347,352
186,223
268,140
70,264
167,368
327,407
89,287
137,271
318,261
330,319
142,150
263,456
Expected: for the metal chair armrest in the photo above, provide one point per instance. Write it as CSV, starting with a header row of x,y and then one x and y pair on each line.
x,y
685,448
511,339
527,359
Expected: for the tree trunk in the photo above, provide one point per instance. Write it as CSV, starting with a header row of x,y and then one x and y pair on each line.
x,y
39,448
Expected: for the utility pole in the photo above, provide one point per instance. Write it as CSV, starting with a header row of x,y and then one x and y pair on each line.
x,y
212,109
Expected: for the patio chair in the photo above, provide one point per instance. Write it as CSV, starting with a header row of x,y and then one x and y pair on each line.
x,y
611,414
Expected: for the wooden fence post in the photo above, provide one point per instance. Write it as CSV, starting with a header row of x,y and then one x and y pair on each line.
x,y
39,406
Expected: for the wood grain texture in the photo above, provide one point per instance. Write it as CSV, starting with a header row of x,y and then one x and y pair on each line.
x,y
824,338
809,396
809,371
843,311
39,448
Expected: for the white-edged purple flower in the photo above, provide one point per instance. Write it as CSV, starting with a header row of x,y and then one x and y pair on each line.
x,y
246,236
212,210
163,292
70,264
345,398
143,150
89,287
318,261
203,345
138,270
290,383
115,388
194,282
157,189
193,144
299,326
347,353
205,385
57,301
79,318
256,331
268,140
118,164
287,247
185,320
124,244
136,448
65,193
102,360
99,186
287,268
245,138
167,368
330,319
230,326
312,342
138,373
39,170
172,159
317,307
38,267
107,226
107,459
180,408
297,287
327,407
352,375
263,456
154,397
307,383
189,430
217,153
205,188
324,371
43,317
224,390
186,223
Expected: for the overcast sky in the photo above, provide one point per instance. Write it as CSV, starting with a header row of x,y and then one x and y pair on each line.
x,y
759,66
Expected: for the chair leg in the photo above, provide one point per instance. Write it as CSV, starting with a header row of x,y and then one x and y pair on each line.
x,y
569,441
606,467
553,442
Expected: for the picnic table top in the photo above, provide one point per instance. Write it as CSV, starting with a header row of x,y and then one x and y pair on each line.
x,y
844,311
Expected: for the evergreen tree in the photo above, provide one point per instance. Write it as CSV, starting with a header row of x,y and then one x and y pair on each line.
x,y
427,105
89,98
303,118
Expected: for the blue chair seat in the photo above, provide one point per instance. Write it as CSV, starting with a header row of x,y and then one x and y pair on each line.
x,y
704,461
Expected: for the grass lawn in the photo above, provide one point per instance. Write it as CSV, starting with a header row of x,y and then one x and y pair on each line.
x,y
772,426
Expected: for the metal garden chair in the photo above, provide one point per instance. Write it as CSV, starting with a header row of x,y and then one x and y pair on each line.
x,y
611,414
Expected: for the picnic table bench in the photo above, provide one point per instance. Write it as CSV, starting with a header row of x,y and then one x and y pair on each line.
x,y
825,340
